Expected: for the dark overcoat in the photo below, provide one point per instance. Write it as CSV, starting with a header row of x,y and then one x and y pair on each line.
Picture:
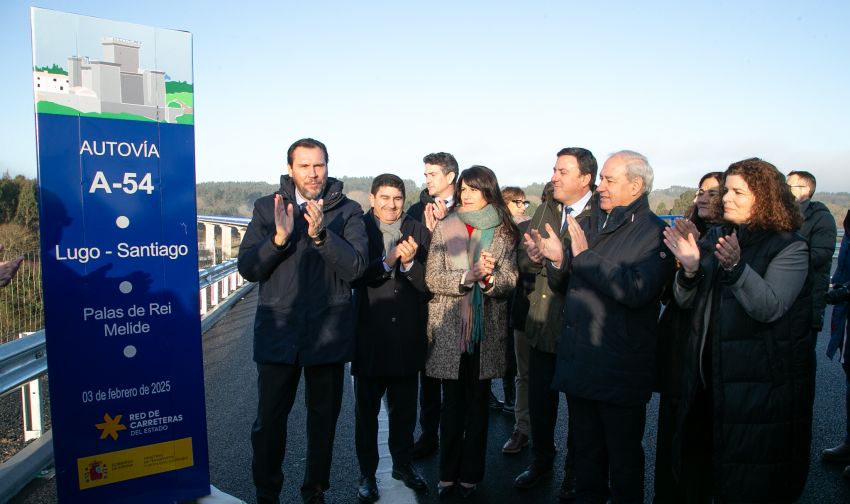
x,y
607,347
305,312
819,231
545,305
392,308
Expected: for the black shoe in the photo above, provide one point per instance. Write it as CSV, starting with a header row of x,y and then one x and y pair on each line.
x,y
494,402
568,487
424,447
368,490
411,479
466,492
531,477
444,492
840,453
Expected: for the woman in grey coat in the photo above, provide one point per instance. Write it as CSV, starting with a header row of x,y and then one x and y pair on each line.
x,y
471,271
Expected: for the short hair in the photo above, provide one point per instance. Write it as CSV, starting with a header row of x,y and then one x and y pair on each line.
x,y
775,208
512,192
388,180
586,162
444,160
808,178
307,143
637,166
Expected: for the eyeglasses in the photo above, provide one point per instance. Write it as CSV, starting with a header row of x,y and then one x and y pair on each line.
x,y
521,203
798,186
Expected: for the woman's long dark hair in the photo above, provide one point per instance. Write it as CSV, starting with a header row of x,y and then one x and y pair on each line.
x,y
482,178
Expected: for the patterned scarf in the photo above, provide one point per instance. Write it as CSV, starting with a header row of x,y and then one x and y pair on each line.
x,y
463,251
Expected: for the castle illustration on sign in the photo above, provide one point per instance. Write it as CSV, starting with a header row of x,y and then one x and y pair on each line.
x,y
115,87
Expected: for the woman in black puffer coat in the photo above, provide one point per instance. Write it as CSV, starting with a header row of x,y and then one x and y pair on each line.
x,y
744,419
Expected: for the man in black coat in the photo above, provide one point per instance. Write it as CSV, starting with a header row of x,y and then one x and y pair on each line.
x,y
305,245
436,200
391,340
613,274
820,233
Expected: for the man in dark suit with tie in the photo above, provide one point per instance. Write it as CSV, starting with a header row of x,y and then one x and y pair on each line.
x,y
305,245
391,340
573,182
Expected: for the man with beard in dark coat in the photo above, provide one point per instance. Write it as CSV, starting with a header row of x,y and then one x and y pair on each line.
x,y
305,245
613,274
391,342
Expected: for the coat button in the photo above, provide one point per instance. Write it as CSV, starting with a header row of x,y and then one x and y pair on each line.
x,y
395,290
392,320
543,296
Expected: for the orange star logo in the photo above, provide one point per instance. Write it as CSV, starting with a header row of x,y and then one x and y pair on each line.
x,y
110,426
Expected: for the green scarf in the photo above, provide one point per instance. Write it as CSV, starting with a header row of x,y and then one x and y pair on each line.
x,y
484,222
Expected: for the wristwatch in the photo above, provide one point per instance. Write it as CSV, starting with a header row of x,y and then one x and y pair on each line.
x,y
320,238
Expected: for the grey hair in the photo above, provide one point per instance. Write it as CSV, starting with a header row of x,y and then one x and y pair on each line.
x,y
637,166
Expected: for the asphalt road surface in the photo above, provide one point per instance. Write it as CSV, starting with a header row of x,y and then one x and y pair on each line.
x,y
231,402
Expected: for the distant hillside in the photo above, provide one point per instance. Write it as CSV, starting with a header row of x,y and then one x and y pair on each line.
x,y
237,198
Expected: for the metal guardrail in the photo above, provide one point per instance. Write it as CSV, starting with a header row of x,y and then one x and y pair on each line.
x,y
239,221
22,361
216,273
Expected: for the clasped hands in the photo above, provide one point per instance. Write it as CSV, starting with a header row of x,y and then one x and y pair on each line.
x,y
404,251
539,248
284,219
681,238
434,212
482,268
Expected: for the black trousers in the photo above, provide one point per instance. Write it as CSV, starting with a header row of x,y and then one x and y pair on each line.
x,y
666,488
509,380
543,411
276,386
696,485
608,448
401,409
463,423
429,406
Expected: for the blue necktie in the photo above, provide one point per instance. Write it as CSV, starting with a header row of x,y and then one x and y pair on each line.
x,y
567,213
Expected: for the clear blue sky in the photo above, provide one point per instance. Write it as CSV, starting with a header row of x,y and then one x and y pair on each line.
x,y
692,85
